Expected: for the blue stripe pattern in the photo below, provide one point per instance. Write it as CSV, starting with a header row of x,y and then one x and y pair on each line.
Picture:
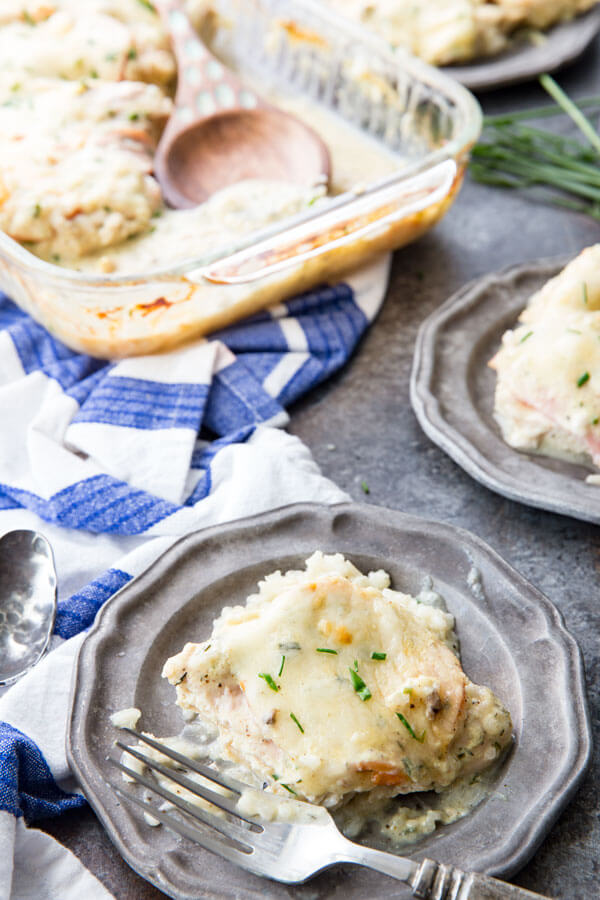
x,y
137,403
227,411
27,787
77,613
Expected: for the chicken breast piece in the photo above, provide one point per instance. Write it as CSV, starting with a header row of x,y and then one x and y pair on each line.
x,y
329,683
547,396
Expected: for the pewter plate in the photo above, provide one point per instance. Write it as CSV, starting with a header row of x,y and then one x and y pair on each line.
x,y
512,638
452,394
562,44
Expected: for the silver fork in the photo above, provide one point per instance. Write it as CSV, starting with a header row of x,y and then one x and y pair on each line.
x,y
284,851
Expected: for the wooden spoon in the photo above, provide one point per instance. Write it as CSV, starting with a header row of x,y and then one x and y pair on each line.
x,y
221,132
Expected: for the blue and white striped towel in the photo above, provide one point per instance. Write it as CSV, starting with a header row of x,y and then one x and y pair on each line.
x,y
114,462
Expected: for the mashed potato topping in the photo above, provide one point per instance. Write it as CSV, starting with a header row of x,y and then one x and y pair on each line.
x,y
547,396
328,684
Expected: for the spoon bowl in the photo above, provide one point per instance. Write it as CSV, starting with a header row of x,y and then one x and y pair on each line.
x,y
231,146
27,601
221,132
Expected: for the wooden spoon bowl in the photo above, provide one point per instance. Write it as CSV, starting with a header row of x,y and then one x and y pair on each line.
x,y
221,132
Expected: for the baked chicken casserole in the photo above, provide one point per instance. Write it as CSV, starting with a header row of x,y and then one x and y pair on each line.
x,y
328,684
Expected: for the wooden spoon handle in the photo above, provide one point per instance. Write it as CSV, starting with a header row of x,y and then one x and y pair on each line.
x,y
204,85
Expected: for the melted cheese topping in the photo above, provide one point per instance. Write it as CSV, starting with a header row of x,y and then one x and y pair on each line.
x,y
548,389
450,31
327,683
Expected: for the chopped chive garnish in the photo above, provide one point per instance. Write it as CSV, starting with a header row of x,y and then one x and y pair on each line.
x,y
131,53
294,719
288,788
148,5
595,421
365,487
37,209
408,727
377,655
524,338
573,331
326,650
275,777
583,379
356,665
266,677
281,666
133,117
359,686
584,291
407,691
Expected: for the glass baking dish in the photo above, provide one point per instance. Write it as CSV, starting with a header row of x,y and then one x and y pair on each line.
x,y
428,121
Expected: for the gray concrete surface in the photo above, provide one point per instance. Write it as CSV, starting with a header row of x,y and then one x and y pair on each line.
x,y
365,412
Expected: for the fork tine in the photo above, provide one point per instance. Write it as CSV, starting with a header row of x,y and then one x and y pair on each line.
x,y
227,849
229,829
199,790
211,774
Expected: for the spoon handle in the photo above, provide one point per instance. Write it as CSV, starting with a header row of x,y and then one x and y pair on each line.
x,y
204,85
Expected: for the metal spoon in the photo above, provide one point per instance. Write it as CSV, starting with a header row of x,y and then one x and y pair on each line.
x,y
221,132
27,601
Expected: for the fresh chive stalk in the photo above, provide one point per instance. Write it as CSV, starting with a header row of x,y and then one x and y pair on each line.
x,y
269,680
326,650
409,728
571,109
544,166
294,719
359,686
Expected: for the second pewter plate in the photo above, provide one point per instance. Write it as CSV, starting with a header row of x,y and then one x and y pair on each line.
x,y
512,639
452,394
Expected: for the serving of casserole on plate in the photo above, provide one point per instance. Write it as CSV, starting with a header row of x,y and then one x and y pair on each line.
x,y
511,639
545,399
483,44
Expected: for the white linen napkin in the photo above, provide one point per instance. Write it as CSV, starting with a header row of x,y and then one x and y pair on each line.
x,y
106,460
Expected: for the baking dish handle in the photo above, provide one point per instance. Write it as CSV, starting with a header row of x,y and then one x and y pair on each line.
x,y
360,217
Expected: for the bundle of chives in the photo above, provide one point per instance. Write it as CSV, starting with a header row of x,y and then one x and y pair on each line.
x,y
559,170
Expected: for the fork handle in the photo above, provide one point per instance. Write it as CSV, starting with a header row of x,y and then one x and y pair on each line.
x,y
436,881
430,880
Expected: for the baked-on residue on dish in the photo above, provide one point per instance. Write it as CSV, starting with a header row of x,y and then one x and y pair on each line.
x,y
451,31
547,397
327,684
